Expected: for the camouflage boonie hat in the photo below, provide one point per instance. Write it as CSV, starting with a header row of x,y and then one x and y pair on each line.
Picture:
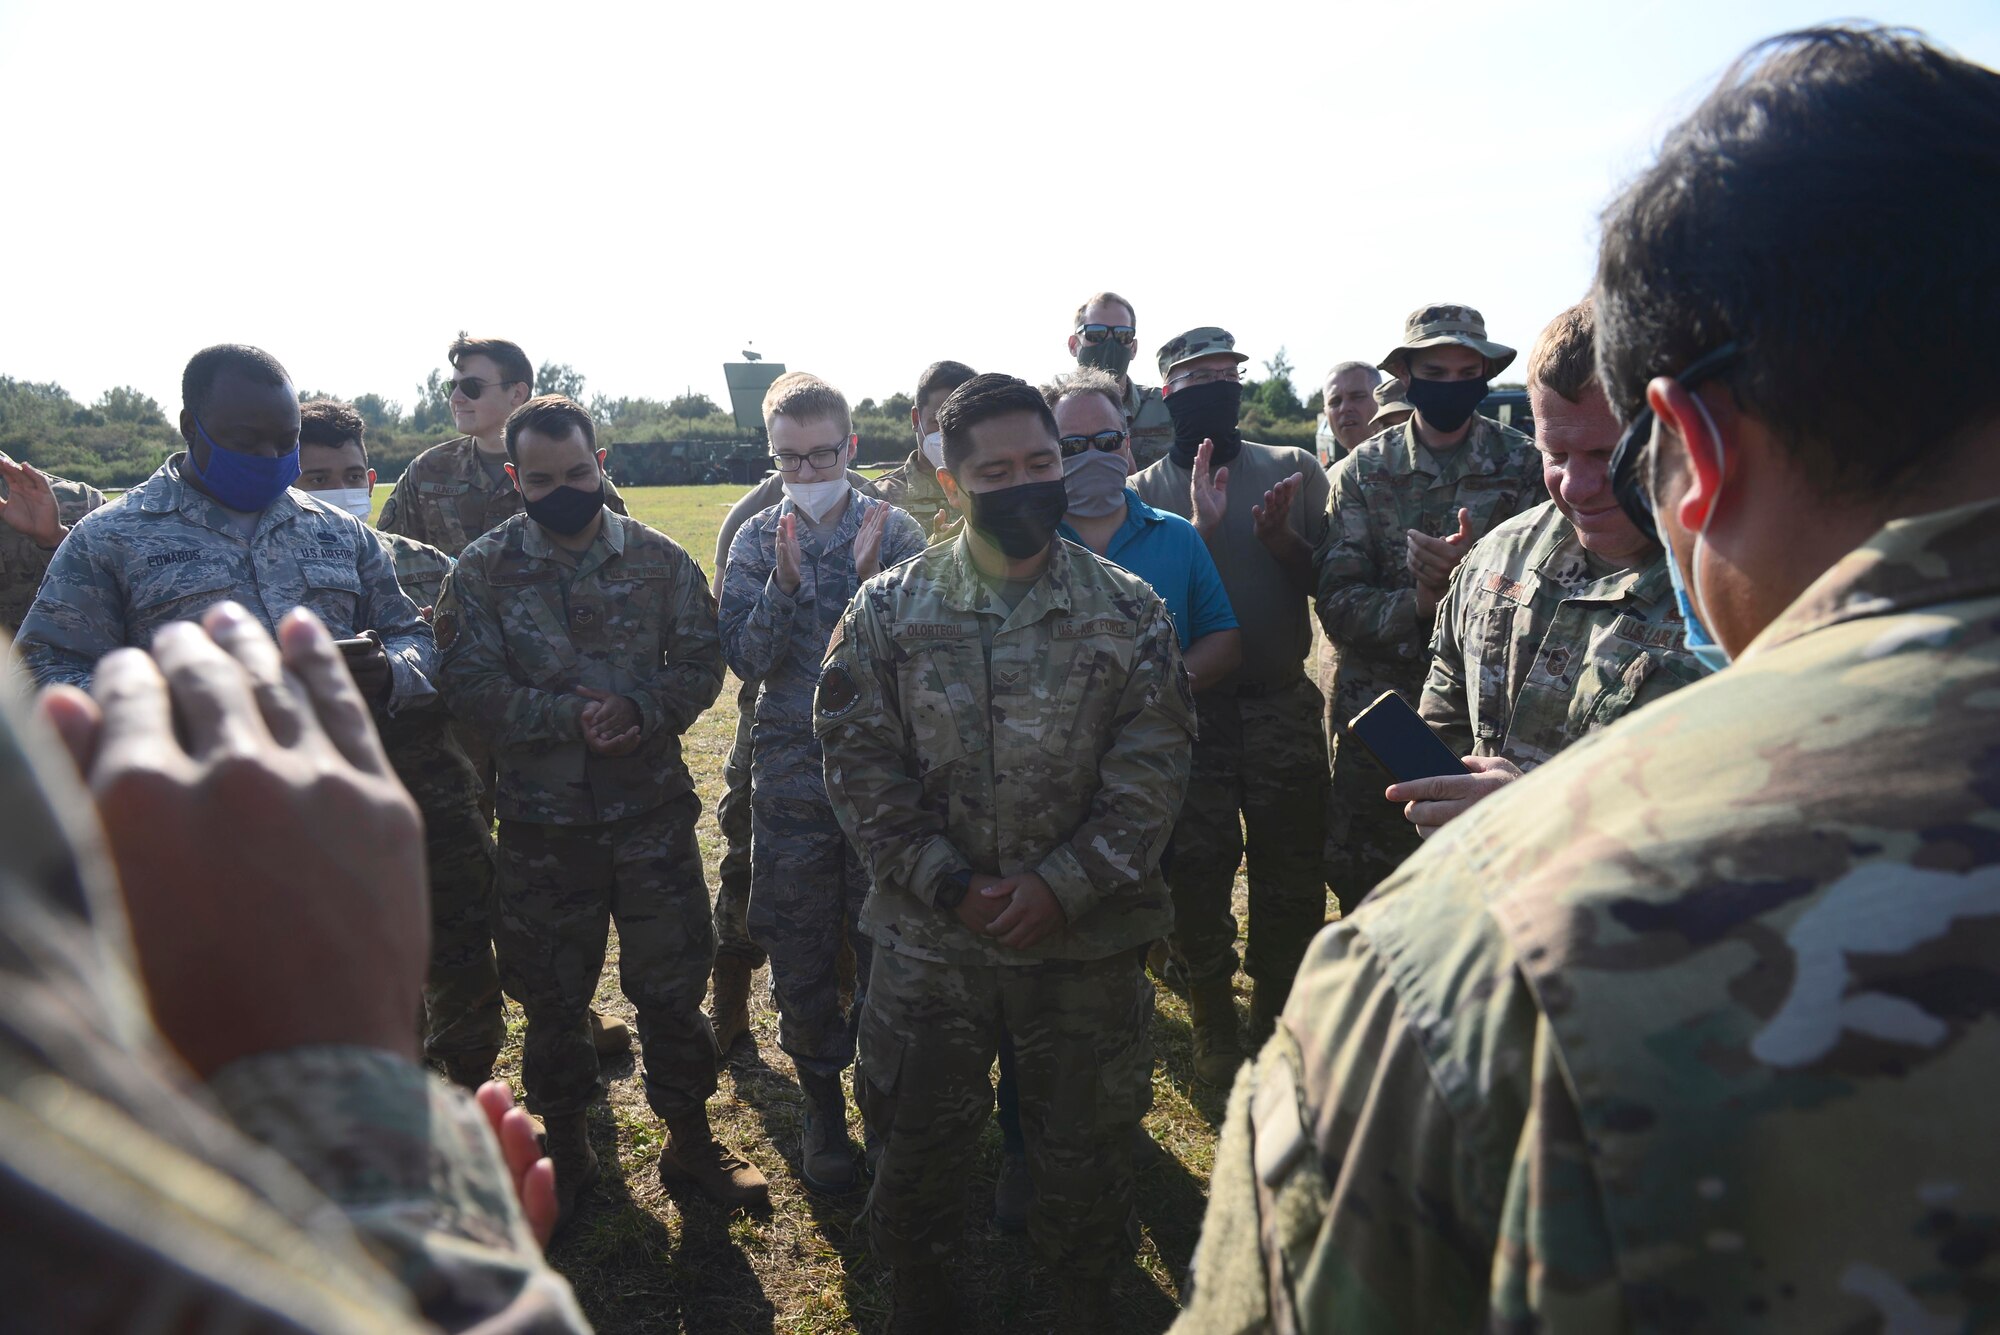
x,y
1203,342
1391,396
1431,326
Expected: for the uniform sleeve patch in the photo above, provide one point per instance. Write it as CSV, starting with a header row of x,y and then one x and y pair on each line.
x,y
837,693
446,629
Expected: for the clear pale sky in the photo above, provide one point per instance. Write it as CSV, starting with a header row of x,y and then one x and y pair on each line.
x,y
860,189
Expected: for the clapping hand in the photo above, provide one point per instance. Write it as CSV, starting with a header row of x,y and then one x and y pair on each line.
x,y
1209,490
30,507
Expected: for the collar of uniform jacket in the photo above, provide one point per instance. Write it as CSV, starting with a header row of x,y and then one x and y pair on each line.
x,y
1645,583
167,491
1943,557
964,590
465,461
1484,450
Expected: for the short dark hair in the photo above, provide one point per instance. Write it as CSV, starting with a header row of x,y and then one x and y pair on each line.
x,y
332,423
514,365
1106,299
1828,208
551,415
1564,358
981,399
942,377
207,366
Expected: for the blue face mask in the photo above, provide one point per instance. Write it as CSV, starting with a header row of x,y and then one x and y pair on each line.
x,y
245,482
1700,643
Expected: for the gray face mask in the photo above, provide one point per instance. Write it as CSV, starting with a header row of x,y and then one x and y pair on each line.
x,y
1094,481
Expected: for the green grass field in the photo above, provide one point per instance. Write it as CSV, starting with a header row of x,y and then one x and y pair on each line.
x,y
643,1258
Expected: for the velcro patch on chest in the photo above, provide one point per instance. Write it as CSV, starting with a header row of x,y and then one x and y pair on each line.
x,y
1079,630
1653,637
443,488
933,630
1497,581
584,617
161,560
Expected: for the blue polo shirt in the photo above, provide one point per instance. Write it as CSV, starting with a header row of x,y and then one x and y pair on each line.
x,y
1164,550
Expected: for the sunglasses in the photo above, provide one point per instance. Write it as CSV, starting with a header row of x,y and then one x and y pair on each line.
x,y
1107,441
472,388
1093,334
1186,378
1628,482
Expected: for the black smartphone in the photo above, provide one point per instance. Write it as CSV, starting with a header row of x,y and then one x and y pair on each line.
x,y
358,647
1401,742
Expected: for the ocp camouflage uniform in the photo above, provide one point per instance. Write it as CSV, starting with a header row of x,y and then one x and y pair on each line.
x,y
913,488
462,992
1539,642
732,813
1151,425
446,498
1055,739
310,1188
587,839
165,552
807,882
22,562
1691,1029
1368,607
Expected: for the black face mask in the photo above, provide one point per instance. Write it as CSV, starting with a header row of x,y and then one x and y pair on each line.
x,y
1110,356
567,510
1446,404
1206,412
1021,520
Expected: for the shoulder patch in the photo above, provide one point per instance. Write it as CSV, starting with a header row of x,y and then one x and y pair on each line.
x,y
446,629
837,693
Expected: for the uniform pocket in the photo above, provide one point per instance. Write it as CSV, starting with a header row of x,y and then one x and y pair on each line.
x,y
333,592
942,708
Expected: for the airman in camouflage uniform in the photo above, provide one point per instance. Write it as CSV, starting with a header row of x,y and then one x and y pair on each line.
x,y
912,486
737,956
1539,643
527,628
807,882
165,552
1044,743
1369,604
23,558
1681,973
136,1200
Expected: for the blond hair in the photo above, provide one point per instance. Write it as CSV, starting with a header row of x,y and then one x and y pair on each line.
x,y
806,398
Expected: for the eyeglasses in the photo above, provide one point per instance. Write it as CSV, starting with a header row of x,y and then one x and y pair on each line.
x,y
1628,483
472,387
823,457
1093,334
1185,378
1107,441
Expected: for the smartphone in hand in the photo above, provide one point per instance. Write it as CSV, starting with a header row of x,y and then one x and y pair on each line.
x,y
1401,742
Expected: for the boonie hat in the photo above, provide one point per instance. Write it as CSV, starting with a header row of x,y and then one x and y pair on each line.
x,y
1203,342
1432,326
1391,396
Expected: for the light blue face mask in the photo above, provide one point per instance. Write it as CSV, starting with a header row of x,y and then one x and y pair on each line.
x,y
1700,643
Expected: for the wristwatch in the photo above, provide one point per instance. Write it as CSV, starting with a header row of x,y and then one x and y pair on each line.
x,y
953,886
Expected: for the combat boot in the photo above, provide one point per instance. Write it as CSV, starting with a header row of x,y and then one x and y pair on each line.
x,y
920,1302
1083,1303
1267,1002
1217,1050
611,1036
694,1155
1012,1194
469,1069
729,1012
826,1155
567,1142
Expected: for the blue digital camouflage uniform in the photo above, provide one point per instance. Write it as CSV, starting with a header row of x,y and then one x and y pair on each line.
x,y
320,1188
1539,642
1055,739
586,839
165,552
807,883
732,813
1368,607
1692,1029
22,563
462,1004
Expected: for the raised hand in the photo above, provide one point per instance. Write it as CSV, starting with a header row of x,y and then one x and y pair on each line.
x,y
1208,490
1272,521
30,507
790,558
1431,560
868,542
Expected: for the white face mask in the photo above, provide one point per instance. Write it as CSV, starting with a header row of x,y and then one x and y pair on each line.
x,y
934,448
816,498
355,500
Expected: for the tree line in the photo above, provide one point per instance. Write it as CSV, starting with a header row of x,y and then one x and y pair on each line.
x,y
119,439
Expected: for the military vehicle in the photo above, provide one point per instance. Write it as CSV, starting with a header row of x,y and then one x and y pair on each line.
x,y
1508,405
